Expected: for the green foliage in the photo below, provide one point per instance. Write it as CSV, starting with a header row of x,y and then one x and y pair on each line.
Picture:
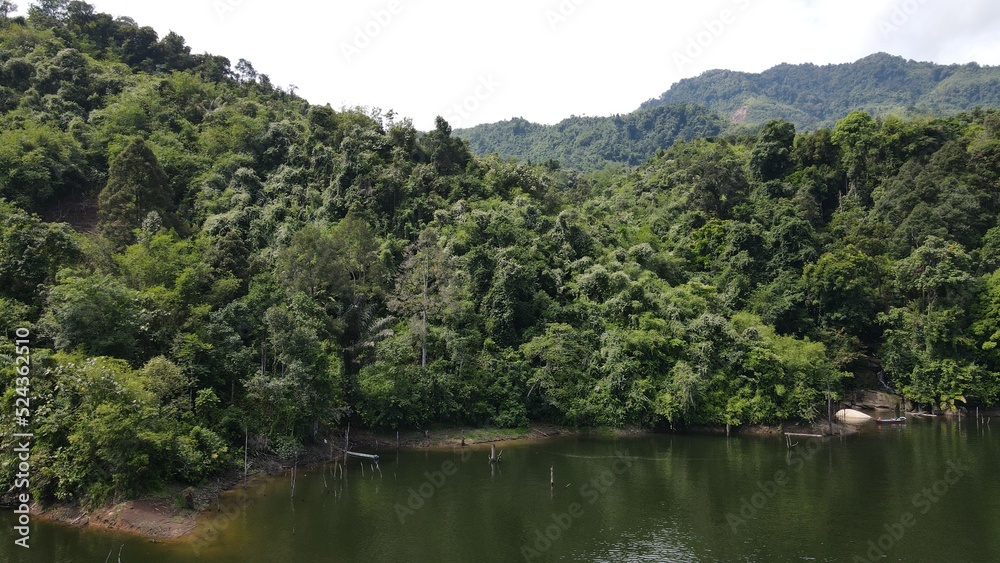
x,y
805,97
100,316
843,290
31,252
394,391
99,435
771,158
593,143
561,378
136,186
812,96
201,453
40,163
159,259
256,265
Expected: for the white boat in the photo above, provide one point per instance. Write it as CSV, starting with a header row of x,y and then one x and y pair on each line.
x,y
851,416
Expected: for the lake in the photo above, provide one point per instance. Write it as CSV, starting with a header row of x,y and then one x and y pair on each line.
x,y
926,491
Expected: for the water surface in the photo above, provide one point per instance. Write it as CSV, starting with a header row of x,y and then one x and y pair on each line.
x,y
927,491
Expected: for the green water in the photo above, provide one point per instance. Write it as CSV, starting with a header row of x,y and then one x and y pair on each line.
x,y
646,498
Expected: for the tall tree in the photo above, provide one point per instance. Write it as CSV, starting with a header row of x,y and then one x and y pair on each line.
x,y
771,157
136,186
425,287
449,154
857,137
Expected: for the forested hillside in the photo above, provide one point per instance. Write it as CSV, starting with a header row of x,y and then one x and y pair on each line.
x,y
593,143
808,96
237,262
812,96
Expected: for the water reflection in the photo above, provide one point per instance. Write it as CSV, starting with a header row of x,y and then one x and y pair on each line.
x,y
646,498
667,544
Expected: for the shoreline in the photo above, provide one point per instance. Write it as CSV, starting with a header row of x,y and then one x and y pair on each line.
x,y
161,518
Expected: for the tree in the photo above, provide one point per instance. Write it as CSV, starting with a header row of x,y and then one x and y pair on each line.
x,y
6,8
31,252
771,158
100,315
157,260
511,303
174,53
716,178
39,163
857,137
927,344
167,383
310,263
48,13
332,265
99,427
634,364
136,186
427,286
302,383
449,154
936,275
987,331
245,71
560,358
841,289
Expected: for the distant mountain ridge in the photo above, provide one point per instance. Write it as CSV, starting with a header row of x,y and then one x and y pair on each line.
x,y
807,95
589,143
812,96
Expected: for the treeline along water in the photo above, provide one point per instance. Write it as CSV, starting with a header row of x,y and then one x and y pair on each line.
x,y
240,267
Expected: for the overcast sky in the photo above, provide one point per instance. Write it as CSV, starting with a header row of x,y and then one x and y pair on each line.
x,y
545,60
